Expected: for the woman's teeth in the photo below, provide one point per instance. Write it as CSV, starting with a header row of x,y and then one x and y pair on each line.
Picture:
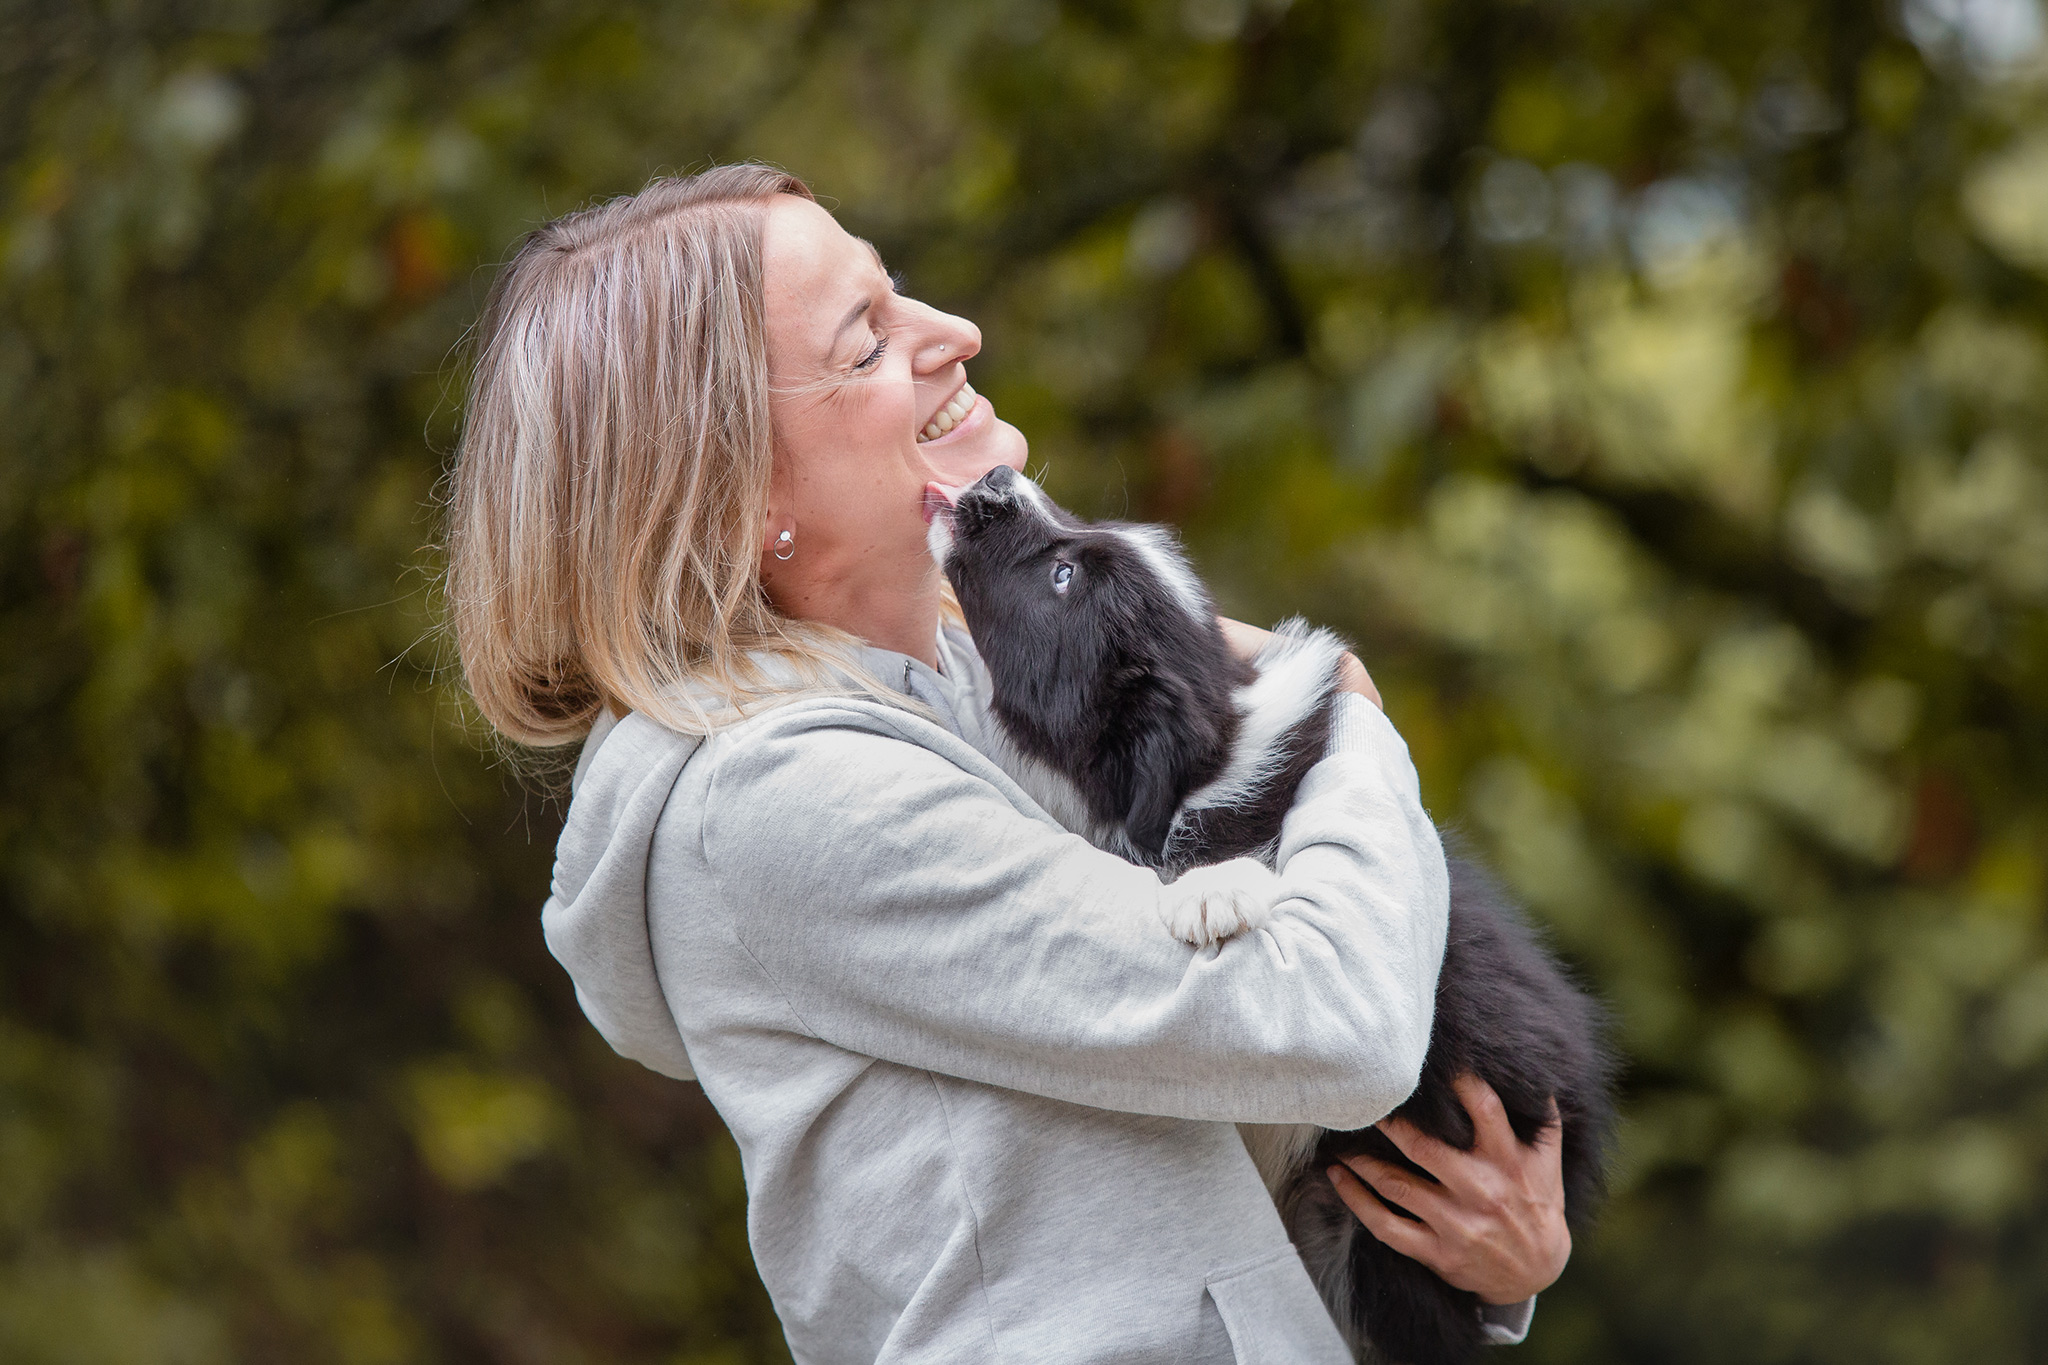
x,y
949,416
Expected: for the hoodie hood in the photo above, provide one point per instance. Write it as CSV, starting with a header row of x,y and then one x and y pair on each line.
x,y
595,919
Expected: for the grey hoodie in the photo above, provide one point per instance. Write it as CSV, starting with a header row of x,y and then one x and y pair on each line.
x,y
983,1101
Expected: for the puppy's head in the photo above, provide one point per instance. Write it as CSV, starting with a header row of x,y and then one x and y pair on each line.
x,y
1102,647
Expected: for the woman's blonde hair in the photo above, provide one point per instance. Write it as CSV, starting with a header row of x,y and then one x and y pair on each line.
x,y
605,516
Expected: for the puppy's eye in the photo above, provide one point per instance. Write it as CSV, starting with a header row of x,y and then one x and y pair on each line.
x,y
1062,574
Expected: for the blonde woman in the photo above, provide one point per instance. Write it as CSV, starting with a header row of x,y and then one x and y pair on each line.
x,y
985,1102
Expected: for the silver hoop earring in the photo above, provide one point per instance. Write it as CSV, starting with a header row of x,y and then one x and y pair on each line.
x,y
785,546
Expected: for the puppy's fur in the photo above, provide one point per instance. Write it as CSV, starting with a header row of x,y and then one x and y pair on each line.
x,y
1132,721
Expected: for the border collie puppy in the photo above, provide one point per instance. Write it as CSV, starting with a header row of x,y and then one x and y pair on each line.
x,y
1126,714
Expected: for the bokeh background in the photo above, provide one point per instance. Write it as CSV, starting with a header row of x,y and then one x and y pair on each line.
x,y
1658,393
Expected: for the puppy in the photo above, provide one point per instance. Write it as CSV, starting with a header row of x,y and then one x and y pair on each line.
x,y
1124,712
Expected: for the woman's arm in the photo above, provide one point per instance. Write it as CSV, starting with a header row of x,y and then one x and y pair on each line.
x,y
909,909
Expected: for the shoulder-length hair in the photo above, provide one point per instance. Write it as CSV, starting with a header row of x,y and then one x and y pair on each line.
x,y
606,509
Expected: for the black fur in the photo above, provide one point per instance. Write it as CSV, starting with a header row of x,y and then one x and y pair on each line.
x,y
1086,698
1119,686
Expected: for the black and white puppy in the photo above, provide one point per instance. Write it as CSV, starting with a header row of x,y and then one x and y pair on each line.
x,y
1129,718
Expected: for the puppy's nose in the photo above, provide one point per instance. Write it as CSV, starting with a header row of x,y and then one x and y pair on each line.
x,y
987,493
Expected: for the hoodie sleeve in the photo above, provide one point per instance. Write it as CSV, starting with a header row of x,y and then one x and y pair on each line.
x,y
909,909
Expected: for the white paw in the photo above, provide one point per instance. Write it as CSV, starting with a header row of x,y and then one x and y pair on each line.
x,y
1210,904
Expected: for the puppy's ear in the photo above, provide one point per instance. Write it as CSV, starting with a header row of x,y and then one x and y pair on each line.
x,y
1157,776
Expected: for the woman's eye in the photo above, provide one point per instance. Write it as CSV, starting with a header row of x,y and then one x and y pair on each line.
x,y
874,357
1062,574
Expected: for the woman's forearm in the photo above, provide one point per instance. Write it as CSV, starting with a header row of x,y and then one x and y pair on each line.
x,y
953,928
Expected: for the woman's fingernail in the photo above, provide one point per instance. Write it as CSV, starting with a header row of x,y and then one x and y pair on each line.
x,y
1332,1174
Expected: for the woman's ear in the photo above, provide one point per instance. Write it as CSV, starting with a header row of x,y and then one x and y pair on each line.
x,y
778,518
778,525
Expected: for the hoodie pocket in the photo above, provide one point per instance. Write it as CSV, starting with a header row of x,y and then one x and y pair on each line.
x,y
1273,1315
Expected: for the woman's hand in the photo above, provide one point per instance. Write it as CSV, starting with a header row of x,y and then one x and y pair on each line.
x,y
1246,641
1494,1225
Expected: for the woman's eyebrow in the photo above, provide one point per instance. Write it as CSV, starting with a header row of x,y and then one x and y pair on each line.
x,y
853,315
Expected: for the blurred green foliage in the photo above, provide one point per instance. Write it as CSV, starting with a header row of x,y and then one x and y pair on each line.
x,y
1659,394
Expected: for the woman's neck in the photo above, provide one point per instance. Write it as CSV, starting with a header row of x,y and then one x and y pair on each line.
x,y
903,616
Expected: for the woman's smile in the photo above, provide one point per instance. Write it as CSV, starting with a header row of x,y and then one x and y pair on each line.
x,y
978,417
951,413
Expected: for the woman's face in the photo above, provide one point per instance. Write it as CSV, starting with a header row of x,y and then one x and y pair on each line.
x,y
871,408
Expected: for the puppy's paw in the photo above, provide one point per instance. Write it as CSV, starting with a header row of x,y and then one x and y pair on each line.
x,y
1210,904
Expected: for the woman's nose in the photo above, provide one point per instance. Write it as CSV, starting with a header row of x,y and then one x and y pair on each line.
x,y
946,339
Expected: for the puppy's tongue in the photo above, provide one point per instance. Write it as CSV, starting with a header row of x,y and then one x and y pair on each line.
x,y
938,499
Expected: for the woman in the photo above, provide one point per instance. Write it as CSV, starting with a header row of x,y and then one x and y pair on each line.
x,y
984,1101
